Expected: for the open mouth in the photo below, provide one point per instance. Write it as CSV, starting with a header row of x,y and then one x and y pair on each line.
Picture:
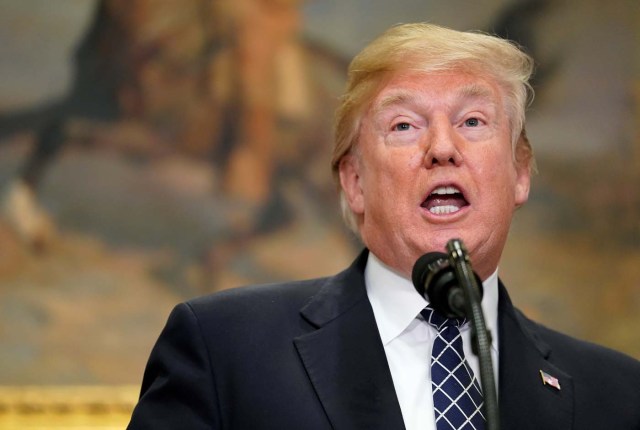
x,y
445,200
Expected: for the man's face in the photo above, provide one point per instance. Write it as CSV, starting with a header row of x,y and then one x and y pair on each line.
x,y
434,162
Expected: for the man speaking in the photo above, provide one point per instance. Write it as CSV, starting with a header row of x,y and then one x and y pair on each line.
x,y
429,146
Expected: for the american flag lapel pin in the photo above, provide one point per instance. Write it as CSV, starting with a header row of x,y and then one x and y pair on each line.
x,y
550,380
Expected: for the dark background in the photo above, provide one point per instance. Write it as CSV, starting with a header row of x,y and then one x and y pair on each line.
x,y
152,151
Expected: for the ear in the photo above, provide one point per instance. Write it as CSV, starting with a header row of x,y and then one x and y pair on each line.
x,y
525,165
523,184
350,180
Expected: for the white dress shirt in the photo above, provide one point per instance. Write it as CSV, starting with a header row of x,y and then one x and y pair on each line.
x,y
408,339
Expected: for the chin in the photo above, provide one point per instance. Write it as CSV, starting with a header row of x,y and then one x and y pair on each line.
x,y
438,242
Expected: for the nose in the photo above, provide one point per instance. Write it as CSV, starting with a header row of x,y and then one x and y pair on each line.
x,y
442,146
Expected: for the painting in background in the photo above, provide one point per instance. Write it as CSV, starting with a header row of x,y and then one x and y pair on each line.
x,y
154,150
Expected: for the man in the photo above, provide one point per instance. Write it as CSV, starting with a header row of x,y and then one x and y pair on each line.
x,y
430,146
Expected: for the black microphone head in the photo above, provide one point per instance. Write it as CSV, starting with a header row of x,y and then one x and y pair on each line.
x,y
426,265
434,279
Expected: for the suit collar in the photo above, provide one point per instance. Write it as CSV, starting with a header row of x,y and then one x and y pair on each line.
x,y
344,356
338,295
508,313
525,401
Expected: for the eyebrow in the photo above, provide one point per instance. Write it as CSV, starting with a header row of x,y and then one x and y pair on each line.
x,y
465,92
396,98
476,91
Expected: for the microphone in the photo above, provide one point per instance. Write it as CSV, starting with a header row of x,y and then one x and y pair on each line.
x,y
454,290
434,279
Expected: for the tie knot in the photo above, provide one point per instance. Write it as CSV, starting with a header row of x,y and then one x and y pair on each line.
x,y
440,322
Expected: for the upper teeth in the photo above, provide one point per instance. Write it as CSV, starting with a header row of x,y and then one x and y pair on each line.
x,y
446,190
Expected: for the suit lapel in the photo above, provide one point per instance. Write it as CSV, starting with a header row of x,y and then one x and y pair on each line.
x,y
344,356
525,401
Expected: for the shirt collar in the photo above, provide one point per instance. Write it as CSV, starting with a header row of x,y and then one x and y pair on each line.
x,y
396,303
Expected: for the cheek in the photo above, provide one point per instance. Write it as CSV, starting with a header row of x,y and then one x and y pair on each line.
x,y
415,161
393,168
497,175
387,191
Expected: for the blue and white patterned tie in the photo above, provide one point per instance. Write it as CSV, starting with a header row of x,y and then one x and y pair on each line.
x,y
457,398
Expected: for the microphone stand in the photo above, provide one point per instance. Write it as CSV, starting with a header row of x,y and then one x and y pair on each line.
x,y
480,336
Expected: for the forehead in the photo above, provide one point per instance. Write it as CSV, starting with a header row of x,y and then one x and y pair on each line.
x,y
434,89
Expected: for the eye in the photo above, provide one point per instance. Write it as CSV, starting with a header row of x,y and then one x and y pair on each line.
x,y
472,122
403,126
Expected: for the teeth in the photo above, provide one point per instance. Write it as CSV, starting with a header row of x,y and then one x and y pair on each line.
x,y
441,210
445,190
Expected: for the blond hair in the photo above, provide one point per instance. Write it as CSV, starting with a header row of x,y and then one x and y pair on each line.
x,y
430,48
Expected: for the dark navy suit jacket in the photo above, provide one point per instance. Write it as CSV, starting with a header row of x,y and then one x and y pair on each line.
x,y
308,355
